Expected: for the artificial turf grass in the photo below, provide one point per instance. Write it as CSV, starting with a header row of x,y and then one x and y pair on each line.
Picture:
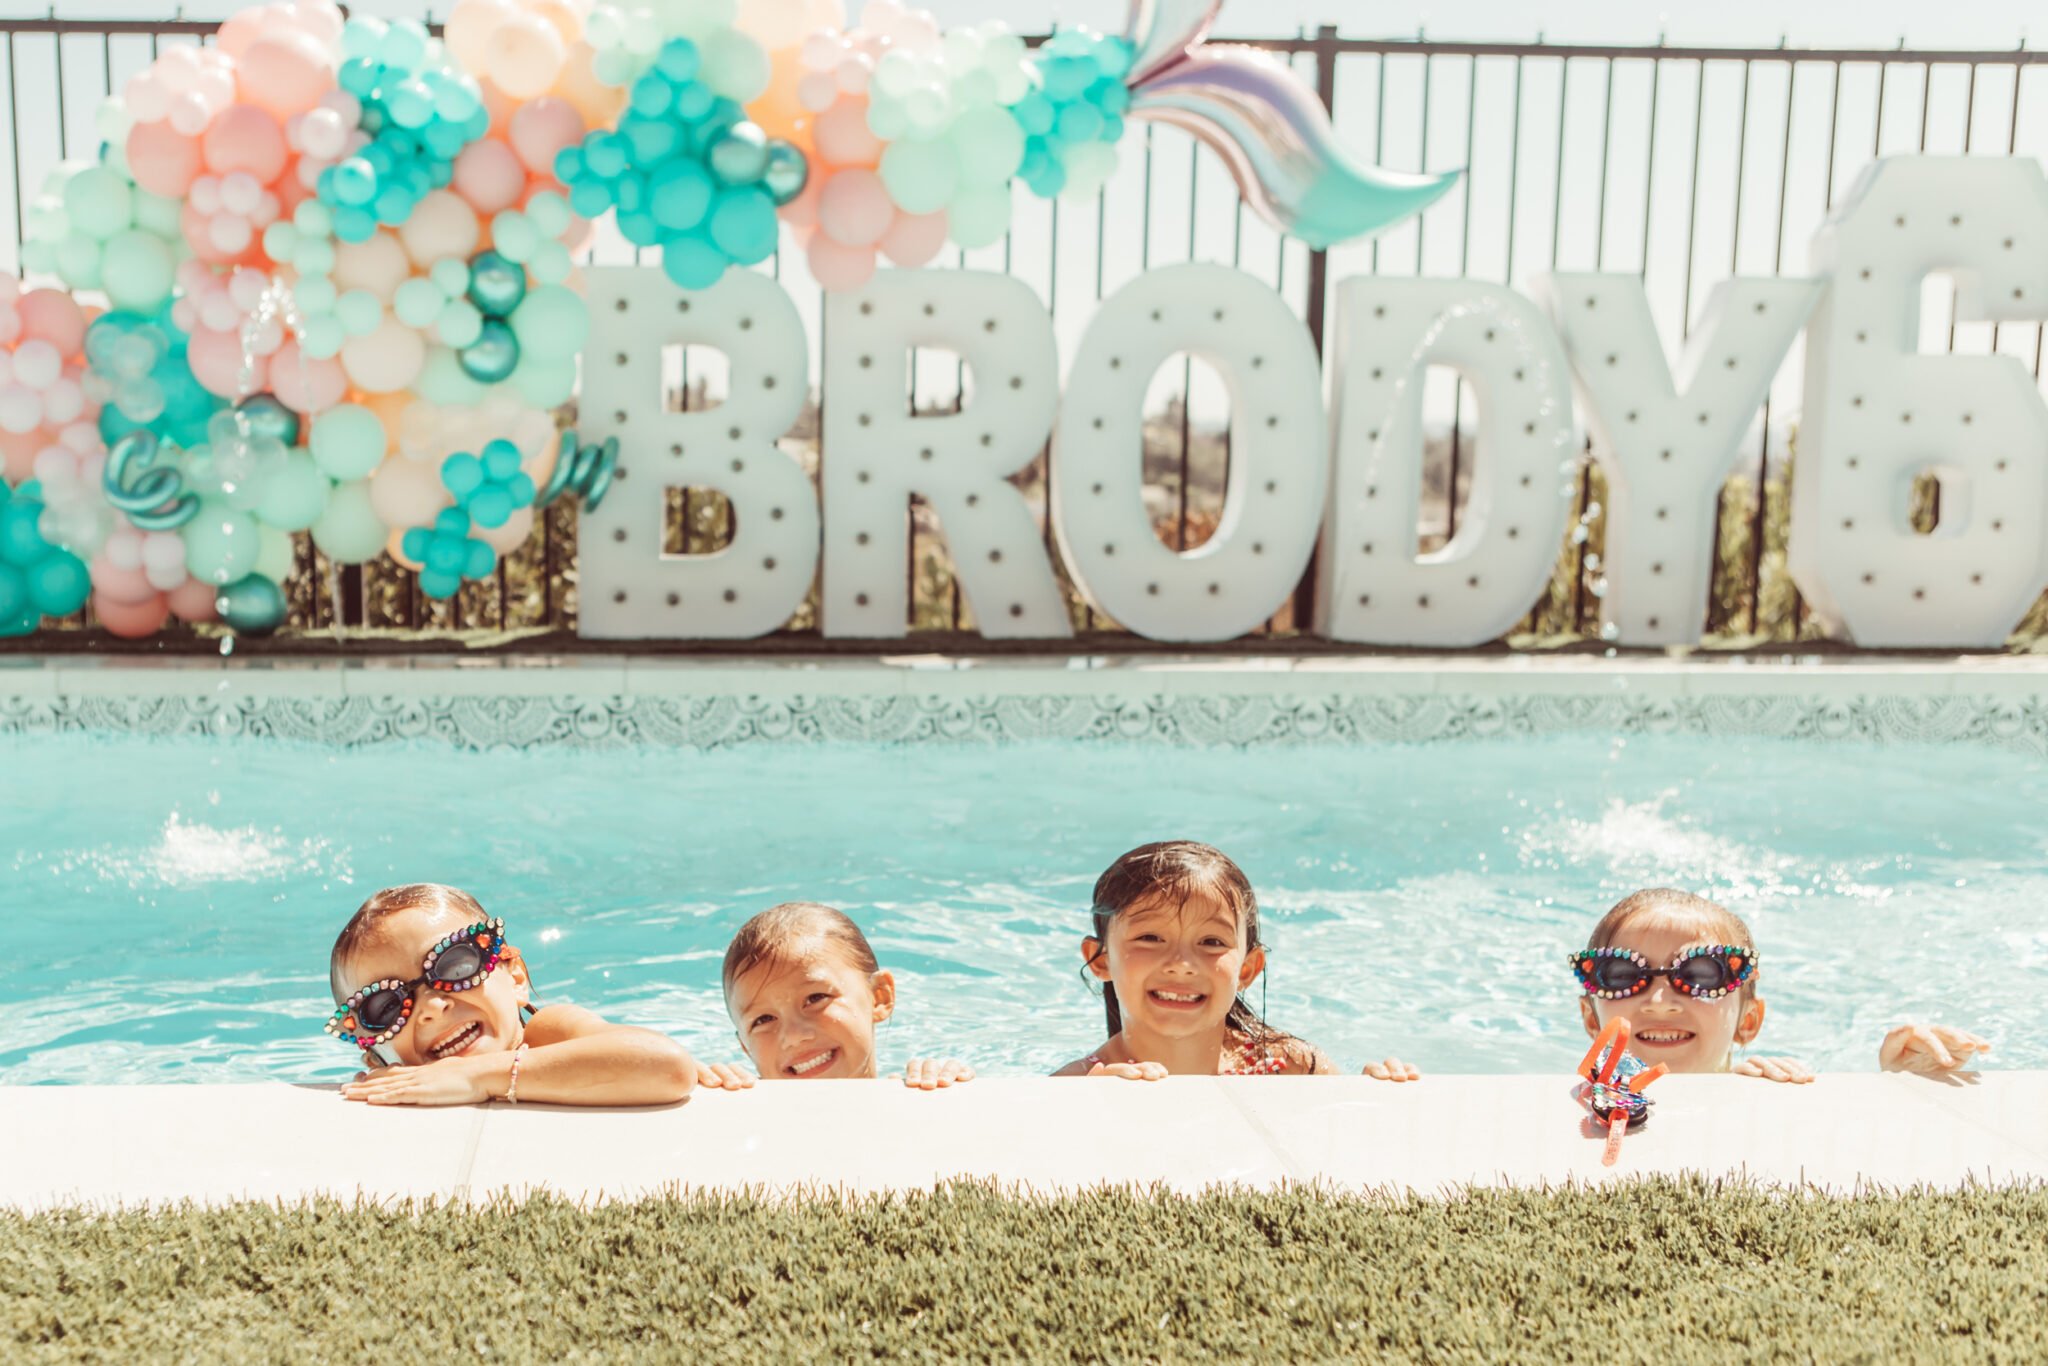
x,y
1663,1269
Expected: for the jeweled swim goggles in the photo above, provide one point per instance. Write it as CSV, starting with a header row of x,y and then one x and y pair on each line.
x,y
1706,973
377,1012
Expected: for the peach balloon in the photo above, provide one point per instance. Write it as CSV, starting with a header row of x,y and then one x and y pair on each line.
x,y
801,213
842,135
216,361
469,29
541,128
244,138
303,384
385,360
162,160
132,620
18,452
395,547
285,73
440,225
778,111
523,55
55,317
489,176
377,263
389,408
509,537
561,16
599,104
854,208
113,584
837,267
915,238
407,493
194,600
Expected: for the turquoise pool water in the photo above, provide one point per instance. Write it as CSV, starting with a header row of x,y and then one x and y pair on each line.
x,y
168,905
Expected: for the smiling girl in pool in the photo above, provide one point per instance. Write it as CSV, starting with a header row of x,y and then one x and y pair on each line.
x,y
442,1009
1683,971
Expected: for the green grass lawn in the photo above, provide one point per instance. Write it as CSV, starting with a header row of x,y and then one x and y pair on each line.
x,y
1661,1270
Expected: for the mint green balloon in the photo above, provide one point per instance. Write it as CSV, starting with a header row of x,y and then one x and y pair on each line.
x,y
348,442
989,143
360,312
459,323
545,382
221,543
443,380
136,270
979,215
98,202
922,177
418,302
293,496
552,323
348,532
154,213
78,260
275,555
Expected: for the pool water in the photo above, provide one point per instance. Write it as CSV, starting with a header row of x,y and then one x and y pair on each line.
x,y
167,906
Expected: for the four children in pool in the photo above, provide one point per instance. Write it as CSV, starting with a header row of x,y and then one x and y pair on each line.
x,y
443,1008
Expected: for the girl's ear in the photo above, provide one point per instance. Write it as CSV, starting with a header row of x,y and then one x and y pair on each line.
x,y
1752,1022
883,984
1095,956
1590,1016
1254,964
510,959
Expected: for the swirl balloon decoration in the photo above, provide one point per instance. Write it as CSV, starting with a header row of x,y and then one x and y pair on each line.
x,y
151,495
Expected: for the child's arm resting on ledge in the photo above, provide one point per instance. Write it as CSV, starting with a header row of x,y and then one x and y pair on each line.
x,y
572,1058
1773,1069
1928,1048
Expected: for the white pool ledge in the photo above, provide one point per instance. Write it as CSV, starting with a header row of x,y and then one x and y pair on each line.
x,y
137,1145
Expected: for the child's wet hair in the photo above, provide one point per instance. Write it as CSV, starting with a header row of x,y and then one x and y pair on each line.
x,y
1177,871
779,935
1711,920
367,924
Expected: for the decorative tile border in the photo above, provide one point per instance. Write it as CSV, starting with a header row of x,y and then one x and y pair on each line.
x,y
1311,712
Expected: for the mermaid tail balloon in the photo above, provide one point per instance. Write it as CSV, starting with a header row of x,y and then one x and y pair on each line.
x,y
1272,132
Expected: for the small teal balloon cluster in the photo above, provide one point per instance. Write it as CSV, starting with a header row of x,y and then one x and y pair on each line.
x,y
490,487
37,579
584,470
686,172
448,554
150,494
1074,113
148,382
419,109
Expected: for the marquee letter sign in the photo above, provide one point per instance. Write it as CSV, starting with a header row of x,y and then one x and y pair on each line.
x,y
1878,413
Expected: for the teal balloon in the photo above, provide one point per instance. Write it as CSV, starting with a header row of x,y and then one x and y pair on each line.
x,y
740,157
553,323
349,531
16,618
21,542
463,474
152,496
267,416
693,262
221,543
293,495
496,285
492,506
252,605
347,442
743,225
494,355
680,195
787,172
59,585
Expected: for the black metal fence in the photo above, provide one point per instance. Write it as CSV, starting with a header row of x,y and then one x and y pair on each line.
x,y
1683,165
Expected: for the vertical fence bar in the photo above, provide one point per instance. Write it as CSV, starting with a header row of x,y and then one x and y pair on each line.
x,y
1319,286
1763,455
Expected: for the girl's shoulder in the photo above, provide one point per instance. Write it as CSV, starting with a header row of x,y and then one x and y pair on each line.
x,y
1285,1055
1080,1067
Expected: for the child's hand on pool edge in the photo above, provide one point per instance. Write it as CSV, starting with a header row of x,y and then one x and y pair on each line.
x,y
451,1081
1774,1069
1928,1049
934,1074
1130,1071
1393,1069
723,1076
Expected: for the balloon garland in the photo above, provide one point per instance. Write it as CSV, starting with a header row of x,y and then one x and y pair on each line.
x,y
337,254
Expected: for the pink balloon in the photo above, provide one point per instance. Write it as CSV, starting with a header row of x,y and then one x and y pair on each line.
x,y
216,361
489,176
541,128
914,238
121,586
198,231
18,451
843,137
132,620
55,317
801,213
244,138
162,160
838,268
305,385
194,600
854,208
285,73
